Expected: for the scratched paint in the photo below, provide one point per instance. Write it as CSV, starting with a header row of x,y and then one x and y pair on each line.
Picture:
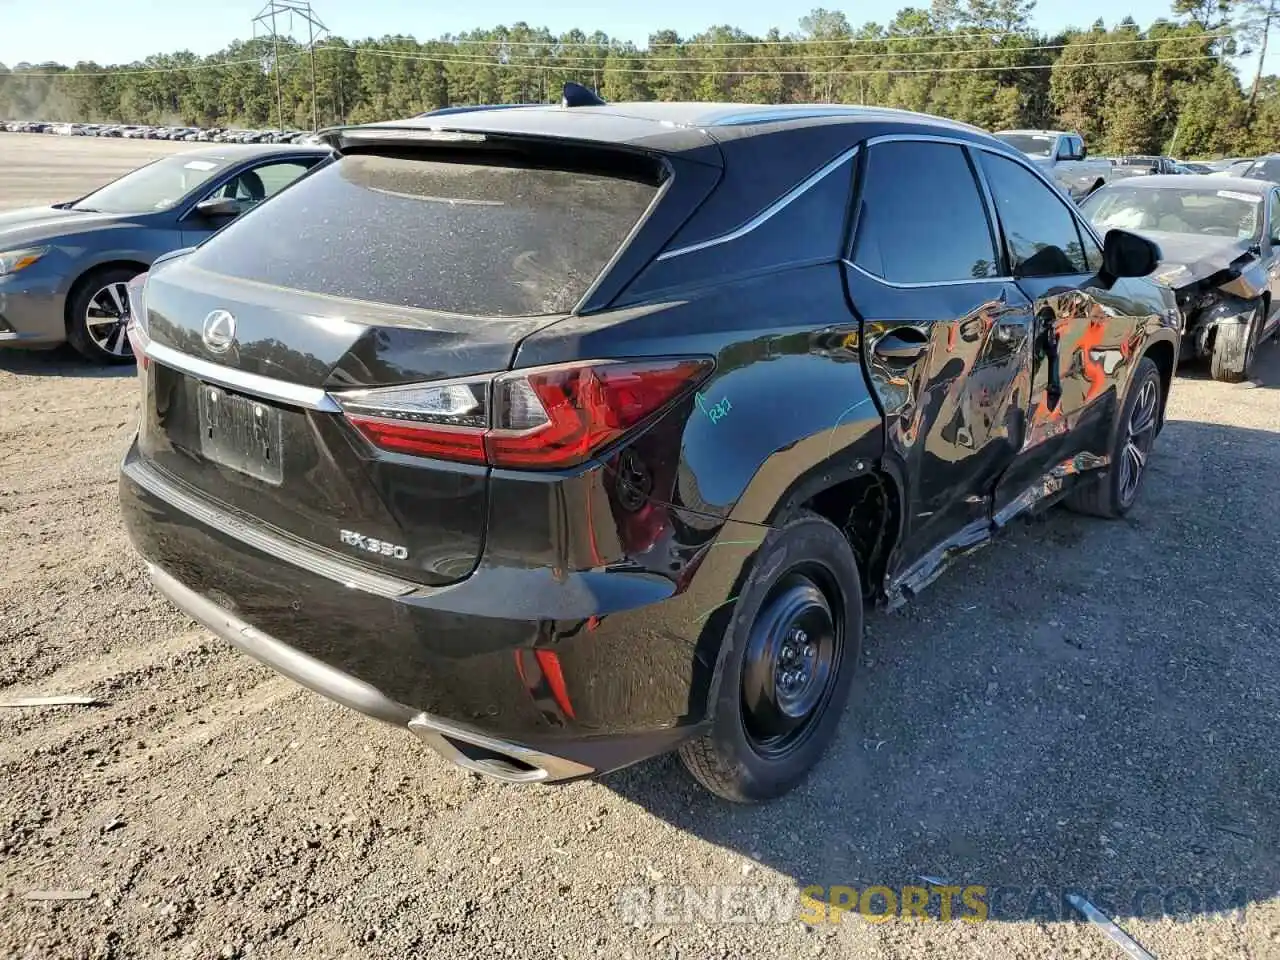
x,y
831,437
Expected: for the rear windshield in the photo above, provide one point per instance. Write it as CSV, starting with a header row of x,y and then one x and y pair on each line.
x,y
456,237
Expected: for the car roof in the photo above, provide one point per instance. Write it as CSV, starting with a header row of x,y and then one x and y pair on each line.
x,y
672,126
1207,184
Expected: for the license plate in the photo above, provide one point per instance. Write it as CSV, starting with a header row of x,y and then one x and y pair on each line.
x,y
241,433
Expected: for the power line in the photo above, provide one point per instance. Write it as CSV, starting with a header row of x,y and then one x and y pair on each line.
x,y
573,62
809,57
803,41
562,68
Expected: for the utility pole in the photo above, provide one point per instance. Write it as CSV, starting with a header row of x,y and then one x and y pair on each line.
x,y
266,20
1268,14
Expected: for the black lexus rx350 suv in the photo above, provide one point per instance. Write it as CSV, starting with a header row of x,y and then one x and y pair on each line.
x,y
567,436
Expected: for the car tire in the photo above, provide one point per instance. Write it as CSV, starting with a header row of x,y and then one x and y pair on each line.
x,y
1116,490
103,342
1234,346
786,665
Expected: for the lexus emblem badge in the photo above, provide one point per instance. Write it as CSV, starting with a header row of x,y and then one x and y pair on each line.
x,y
219,331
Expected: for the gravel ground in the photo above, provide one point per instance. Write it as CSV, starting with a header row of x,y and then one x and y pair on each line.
x,y
1084,703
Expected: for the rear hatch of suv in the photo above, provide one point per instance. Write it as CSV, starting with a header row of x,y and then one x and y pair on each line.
x,y
281,353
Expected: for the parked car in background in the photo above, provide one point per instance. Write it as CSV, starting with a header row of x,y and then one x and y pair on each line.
x,y
1063,156
1220,239
1144,166
1192,167
1234,169
1264,168
679,386
64,269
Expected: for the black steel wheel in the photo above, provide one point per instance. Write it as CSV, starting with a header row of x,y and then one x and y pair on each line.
x,y
786,665
792,657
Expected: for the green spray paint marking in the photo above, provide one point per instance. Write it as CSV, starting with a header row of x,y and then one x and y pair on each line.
x,y
714,609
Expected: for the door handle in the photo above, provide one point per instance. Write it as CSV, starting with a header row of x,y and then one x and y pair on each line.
x,y
1048,320
902,344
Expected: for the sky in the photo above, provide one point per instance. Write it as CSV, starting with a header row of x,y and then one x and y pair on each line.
x,y
120,31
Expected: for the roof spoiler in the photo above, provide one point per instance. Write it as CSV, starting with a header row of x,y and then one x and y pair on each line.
x,y
574,95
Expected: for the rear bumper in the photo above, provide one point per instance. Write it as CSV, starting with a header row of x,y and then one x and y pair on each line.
x,y
462,666
463,746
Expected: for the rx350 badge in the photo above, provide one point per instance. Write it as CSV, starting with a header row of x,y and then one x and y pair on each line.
x,y
370,545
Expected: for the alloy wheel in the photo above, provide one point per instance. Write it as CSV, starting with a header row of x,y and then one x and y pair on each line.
x,y
107,317
1140,435
792,659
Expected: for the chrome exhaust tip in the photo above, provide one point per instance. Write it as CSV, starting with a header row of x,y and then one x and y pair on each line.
x,y
491,757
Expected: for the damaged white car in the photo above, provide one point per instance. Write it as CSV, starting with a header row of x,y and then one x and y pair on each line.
x,y
1220,244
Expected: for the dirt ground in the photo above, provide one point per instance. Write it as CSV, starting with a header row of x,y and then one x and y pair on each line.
x,y
1084,704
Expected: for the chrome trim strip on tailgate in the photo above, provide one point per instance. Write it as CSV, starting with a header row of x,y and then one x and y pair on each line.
x,y
253,535
268,388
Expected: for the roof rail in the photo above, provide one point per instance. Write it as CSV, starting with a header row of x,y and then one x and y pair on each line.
x,y
443,111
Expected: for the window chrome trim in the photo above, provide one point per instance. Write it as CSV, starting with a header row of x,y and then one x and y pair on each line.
x,y
768,212
916,284
268,388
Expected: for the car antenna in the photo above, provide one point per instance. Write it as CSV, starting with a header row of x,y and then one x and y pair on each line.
x,y
576,95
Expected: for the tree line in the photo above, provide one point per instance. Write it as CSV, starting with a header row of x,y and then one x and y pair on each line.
x,y
1168,88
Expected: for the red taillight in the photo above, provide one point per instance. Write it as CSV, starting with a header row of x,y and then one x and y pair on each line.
x,y
584,409
545,418
421,440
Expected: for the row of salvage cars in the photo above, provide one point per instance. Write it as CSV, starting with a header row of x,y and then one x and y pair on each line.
x,y
130,131
450,428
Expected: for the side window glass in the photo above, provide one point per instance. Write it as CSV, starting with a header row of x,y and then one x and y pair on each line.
x,y
1040,230
1092,252
1273,222
256,184
921,217
1268,169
